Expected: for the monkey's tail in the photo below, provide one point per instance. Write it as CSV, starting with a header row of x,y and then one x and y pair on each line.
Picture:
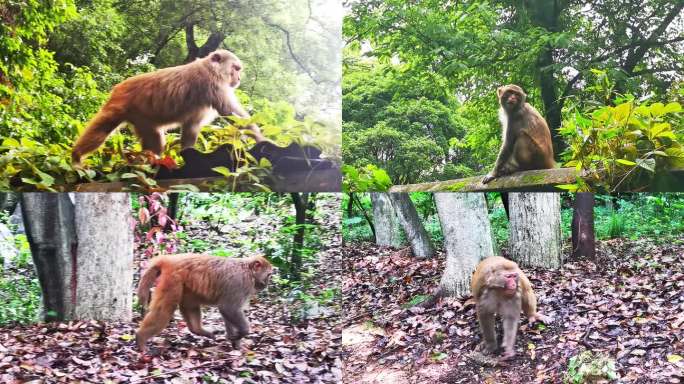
x,y
147,280
96,133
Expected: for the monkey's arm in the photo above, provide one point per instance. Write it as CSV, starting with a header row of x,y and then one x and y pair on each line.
x,y
504,156
529,303
231,106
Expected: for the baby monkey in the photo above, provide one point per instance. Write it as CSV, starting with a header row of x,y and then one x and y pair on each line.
x,y
526,136
500,287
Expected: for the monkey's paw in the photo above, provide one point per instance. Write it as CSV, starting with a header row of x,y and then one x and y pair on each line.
x,y
488,178
507,356
486,348
539,317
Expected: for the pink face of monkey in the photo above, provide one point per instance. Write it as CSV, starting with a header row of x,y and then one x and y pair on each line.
x,y
510,283
229,66
511,97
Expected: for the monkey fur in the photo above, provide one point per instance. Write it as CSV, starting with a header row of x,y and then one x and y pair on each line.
x,y
526,142
500,287
189,281
189,95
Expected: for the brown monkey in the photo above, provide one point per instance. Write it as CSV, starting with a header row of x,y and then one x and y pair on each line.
x,y
191,280
526,136
188,95
500,287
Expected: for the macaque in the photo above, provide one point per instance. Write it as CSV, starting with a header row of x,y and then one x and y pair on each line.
x,y
189,281
190,95
526,136
500,287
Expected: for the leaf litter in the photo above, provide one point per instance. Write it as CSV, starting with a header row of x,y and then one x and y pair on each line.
x,y
283,346
627,306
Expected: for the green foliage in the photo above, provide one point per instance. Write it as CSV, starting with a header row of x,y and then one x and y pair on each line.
x,y
368,178
415,300
425,74
625,146
20,293
355,228
657,216
19,299
58,64
588,367
399,124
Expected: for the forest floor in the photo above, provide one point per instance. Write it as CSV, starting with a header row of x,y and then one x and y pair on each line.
x,y
290,342
628,307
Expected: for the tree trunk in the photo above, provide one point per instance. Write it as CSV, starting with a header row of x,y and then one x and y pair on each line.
x,y
535,237
361,208
412,225
467,238
83,253
51,233
350,204
104,284
8,201
173,206
583,236
194,52
387,232
300,203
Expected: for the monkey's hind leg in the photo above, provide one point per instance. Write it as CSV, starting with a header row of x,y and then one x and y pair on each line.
x,y
152,138
487,326
164,301
96,133
192,314
237,325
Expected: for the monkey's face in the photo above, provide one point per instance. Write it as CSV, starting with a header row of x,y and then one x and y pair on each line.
x,y
506,280
510,283
511,97
262,271
228,66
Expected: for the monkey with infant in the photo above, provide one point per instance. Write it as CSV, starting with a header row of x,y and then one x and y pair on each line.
x,y
188,281
499,287
526,142
190,95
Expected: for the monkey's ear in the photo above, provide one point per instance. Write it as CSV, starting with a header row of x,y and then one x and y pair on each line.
x,y
256,265
498,91
216,57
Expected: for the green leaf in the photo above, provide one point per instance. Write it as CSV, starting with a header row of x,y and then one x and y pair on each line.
x,y
568,187
223,171
647,164
672,107
10,142
674,358
625,162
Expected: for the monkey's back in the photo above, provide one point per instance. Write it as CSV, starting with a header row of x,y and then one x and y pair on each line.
x,y
165,94
534,133
210,278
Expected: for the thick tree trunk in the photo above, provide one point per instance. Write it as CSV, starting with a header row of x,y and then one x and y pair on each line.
x,y
83,253
51,233
534,223
412,225
387,231
467,238
104,284
583,236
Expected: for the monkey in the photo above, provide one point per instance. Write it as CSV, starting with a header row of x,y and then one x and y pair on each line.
x,y
189,95
526,142
500,287
190,280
